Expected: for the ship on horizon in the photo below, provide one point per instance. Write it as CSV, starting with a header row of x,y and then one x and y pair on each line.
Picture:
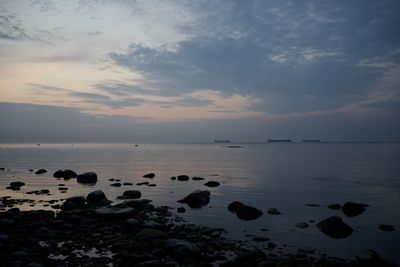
x,y
270,140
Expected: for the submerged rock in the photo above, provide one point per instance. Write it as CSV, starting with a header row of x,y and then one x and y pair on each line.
x,y
334,206
41,171
302,225
274,211
248,213
196,199
149,175
352,209
386,227
183,178
212,184
334,227
87,178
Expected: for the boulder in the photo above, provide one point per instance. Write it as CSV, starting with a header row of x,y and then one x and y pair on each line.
x,y
117,213
196,199
132,194
334,227
87,178
196,178
150,234
149,175
274,211
212,184
248,213
371,258
173,178
16,185
68,174
183,178
334,206
41,171
351,209
58,174
72,203
97,198
235,205
182,249
116,184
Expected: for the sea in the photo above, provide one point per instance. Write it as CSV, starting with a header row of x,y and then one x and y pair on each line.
x,y
299,179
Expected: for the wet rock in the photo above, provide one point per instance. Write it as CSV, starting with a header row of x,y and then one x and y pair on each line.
x,y
371,258
196,199
352,209
16,185
260,239
181,210
335,206
87,178
58,174
182,249
63,188
97,198
183,178
302,225
132,221
248,213
69,174
119,213
72,203
126,183
195,178
149,175
115,184
386,227
212,184
152,185
274,211
334,227
2,169
235,205
41,171
156,263
132,194
313,205
149,234
271,245
173,178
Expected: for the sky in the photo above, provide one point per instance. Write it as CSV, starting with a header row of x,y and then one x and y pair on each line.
x,y
189,71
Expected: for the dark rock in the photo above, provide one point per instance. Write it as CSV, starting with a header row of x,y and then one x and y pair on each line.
x,y
302,225
118,213
115,184
248,213
16,185
2,169
181,210
68,174
126,183
111,179
335,206
235,205
149,175
44,191
143,183
212,184
152,185
58,174
195,178
334,227
274,211
371,258
87,178
351,209
196,199
149,234
183,178
173,178
97,198
313,205
72,203
63,188
182,249
271,245
40,171
386,227
260,239
132,194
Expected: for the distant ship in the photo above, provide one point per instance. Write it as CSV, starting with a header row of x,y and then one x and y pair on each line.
x,y
221,141
279,140
311,141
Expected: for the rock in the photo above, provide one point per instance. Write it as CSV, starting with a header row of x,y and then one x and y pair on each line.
x,y
126,183
2,169
271,245
115,184
132,221
152,185
149,234
72,203
260,239
334,227
156,263
386,227
63,188
334,206
16,185
44,191
143,183
87,178
58,174
68,174
40,171
196,199
195,178
313,205
371,258
149,175
235,205
181,210
274,211
248,213
173,178
183,178
302,225
212,184
351,209
118,213
97,198
132,194
182,249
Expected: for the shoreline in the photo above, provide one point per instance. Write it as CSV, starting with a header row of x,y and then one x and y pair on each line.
x,y
90,231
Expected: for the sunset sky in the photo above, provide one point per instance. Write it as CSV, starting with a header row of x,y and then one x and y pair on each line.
x,y
170,71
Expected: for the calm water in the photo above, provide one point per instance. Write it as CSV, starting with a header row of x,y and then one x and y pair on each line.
x,y
284,176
